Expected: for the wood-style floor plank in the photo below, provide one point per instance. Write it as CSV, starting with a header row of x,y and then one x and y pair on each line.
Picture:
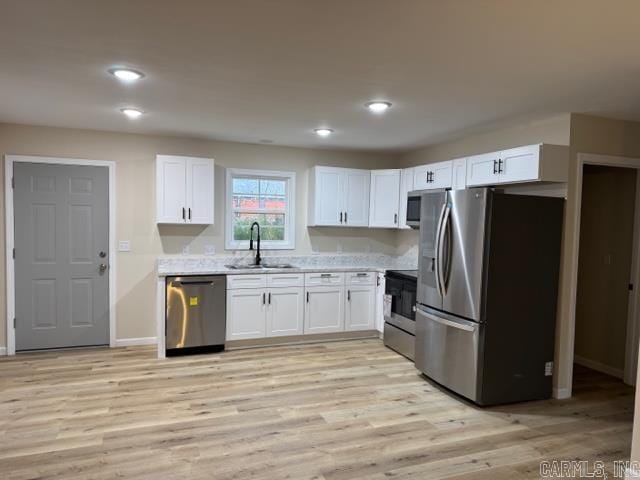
x,y
350,410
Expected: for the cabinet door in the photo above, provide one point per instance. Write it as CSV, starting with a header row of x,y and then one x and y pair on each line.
x,y
459,174
420,177
285,311
360,309
385,198
356,194
520,164
171,189
200,190
329,196
246,313
441,175
406,185
324,309
482,169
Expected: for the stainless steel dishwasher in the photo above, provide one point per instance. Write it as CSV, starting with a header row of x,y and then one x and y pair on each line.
x,y
196,314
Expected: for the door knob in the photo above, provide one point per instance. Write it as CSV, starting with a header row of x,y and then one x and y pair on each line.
x,y
102,268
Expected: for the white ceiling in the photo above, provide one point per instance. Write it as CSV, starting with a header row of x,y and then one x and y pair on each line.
x,y
246,70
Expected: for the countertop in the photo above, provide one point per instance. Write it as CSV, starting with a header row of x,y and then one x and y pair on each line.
x,y
216,265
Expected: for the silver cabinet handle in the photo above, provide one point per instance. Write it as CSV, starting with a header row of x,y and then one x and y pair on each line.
x,y
325,275
495,165
348,295
189,213
184,216
264,298
395,218
269,298
345,217
307,297
340,217
361,274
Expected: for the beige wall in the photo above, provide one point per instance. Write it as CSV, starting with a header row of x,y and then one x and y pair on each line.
x,y
134,155
606,239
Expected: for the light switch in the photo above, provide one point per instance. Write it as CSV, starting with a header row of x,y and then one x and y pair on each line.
x,y
124,246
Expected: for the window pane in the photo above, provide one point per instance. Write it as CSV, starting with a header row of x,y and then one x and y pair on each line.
x,y
271,225
246,193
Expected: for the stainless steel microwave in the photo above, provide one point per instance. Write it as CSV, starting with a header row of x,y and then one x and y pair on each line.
x,y
413,209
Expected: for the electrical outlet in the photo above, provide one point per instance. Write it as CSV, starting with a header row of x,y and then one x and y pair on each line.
x,y
124,246
209,249
548,369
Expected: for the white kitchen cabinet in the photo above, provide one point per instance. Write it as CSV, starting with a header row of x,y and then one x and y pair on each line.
x,y
324,309
385,198
406,185
338,197
285,311
184,190
246,313
360,307
530,163
433,176
459,181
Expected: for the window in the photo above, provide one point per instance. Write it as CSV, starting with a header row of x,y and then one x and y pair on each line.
x,y
261,196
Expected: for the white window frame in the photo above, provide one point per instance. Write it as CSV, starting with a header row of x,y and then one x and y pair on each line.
x,y
289,241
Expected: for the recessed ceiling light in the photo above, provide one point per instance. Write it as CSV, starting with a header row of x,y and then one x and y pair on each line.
x,y
323,132
131,112
378,107
126,74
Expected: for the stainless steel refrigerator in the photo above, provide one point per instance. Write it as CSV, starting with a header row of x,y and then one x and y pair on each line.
x,y
487,293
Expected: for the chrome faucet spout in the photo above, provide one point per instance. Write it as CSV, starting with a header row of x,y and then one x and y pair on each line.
x,y
258,258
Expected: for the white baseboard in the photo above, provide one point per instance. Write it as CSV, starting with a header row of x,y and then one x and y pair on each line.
x,y
130,342
599,367
561,393
3,351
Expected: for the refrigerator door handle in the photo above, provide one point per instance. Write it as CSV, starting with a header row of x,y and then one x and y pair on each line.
x,y
442,230
437,249
459,324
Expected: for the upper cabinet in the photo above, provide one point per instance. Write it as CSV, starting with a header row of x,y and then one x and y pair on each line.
x,y
433,176
338,197
184,190
531,163
385,198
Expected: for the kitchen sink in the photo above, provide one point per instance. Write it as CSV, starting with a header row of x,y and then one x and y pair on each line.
x,y
251,266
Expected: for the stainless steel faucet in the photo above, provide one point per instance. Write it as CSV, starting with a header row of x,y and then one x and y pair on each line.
x,y
257,259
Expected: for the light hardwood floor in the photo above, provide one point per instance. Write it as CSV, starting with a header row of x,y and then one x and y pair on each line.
x,y
333,411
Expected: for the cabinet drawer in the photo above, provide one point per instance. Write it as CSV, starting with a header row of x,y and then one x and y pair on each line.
x,y
361,278
246,281
285,280
328,278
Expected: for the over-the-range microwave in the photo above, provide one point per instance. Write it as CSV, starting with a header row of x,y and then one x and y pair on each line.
x,y
413,209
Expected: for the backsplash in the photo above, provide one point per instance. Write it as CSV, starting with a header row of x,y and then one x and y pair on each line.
x,y
199,263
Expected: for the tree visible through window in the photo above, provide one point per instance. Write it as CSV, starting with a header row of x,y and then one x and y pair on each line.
x,y
263,199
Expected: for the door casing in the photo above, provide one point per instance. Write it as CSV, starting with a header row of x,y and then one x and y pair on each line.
x,y
9,161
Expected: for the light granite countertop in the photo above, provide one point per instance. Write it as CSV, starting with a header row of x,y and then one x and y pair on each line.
x,y
217,265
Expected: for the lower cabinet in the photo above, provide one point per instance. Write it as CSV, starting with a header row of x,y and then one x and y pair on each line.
x,y
324,310
360,308
246,313
267,305
285,311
